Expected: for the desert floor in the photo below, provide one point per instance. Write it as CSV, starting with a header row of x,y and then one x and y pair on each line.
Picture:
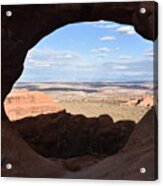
x,y
94,99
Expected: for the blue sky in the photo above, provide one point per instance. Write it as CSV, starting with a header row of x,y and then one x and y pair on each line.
x,y
90,51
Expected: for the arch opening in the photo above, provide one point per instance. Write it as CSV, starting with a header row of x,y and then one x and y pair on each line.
x,y
85,11
99,139
96,82
89,68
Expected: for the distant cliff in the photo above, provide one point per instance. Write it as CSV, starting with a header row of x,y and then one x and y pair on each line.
x,y
24,103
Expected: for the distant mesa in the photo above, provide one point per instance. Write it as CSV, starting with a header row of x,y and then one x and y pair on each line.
x,y
145,101
24,103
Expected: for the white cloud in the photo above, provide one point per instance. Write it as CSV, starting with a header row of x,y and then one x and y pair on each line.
x,y
106,26
140,73
102,21
131,73
129,30
111,26
102,55
38,64
124,56
96,22
48,57
103,49
120,67
107,38
68,56
126,62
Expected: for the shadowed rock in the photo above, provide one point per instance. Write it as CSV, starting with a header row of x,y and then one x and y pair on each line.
x,y
140,151
25,161
64,135
44,19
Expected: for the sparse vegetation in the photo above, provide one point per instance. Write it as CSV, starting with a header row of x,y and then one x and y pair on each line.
x,y
116,111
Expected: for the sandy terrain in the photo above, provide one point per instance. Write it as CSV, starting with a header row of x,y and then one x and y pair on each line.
x,y
119,100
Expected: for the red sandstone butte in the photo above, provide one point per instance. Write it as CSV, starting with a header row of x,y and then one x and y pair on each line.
x,y
146,101
24,103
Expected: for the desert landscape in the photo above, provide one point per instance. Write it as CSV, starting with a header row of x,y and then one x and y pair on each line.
x,y
119,100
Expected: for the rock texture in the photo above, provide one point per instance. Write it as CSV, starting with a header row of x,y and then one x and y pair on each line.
x,y
44,19
21,32
145,101
64,135
24,103
140,151
25,162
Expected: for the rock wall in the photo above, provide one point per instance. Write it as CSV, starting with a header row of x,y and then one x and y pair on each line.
x,y
63,135
20,32
23,103
23,30
139,152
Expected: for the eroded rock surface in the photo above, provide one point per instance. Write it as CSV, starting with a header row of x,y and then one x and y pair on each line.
x,y
140,151
145,101
24,103
18,38
64,135
25,161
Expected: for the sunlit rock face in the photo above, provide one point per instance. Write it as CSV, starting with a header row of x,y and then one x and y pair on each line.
x,y
24,103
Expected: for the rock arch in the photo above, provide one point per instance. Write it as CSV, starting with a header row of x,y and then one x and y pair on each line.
x,y
29,23
22,31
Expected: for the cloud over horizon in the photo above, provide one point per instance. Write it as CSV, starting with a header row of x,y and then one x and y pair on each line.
x,y
129,30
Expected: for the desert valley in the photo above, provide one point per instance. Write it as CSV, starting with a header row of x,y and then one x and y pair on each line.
x,y
127,100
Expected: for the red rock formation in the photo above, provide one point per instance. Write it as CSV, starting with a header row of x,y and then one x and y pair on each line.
x,y
146,101
24,103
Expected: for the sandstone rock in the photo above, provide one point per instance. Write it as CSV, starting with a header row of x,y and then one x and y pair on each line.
x,y
24,103
64,135
140,151
146,101
25,162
